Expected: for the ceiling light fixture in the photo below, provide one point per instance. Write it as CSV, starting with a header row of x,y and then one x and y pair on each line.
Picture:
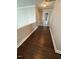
x,y
44,4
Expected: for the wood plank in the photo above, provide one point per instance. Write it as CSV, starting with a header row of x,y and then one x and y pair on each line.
x,y
38,46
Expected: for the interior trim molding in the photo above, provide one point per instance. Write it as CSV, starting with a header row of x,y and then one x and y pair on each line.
x,y
26,6
25,26
26,37
55,48
58,51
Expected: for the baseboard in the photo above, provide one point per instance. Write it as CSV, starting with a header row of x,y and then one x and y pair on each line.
x,y
26,37
58,51
55,48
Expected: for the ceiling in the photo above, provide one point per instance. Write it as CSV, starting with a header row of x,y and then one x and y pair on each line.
x,y
21,3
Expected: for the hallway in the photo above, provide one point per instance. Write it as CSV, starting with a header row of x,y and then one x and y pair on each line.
x,y
38,46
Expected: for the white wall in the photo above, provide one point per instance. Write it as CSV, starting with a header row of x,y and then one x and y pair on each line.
x,y
55,24
25,15
26,23
21,3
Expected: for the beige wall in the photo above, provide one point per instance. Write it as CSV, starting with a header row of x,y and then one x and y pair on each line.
x,y
24,32
38,16
55,24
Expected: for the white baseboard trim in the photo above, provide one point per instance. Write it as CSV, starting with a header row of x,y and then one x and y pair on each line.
x,y
58,51
55,48
26,37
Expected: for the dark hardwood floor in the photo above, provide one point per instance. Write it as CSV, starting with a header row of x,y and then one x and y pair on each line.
x,y
38,46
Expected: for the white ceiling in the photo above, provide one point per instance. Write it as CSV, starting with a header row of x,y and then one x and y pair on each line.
x,y
21,3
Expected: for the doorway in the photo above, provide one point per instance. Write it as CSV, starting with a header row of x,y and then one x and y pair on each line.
x,y
45,19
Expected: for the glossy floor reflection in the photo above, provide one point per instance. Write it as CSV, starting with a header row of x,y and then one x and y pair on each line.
x,y
38,46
